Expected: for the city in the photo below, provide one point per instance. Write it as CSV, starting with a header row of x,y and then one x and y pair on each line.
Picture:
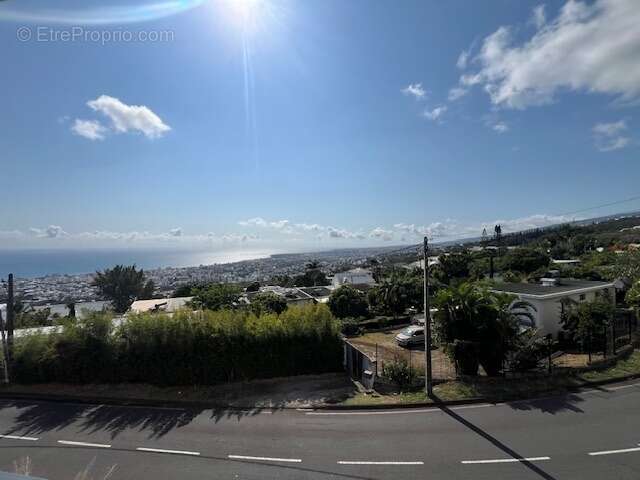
x,y
320,239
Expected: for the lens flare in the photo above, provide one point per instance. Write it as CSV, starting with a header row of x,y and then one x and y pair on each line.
x,y
98,15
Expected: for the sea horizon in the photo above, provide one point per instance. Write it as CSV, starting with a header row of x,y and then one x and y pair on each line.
x,y
34,263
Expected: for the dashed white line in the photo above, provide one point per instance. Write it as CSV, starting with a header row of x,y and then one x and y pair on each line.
x,y
16,437
162,450
84,444
264,459
611,452
407,411
506,460
365,462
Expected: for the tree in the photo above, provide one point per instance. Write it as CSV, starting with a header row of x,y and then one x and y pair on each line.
x,y
184,291
390,297
253,287
217,296
524,260
348,302
71,308
586,323
268,302
627,265
478,325
632,297
454,266
122,285
312,277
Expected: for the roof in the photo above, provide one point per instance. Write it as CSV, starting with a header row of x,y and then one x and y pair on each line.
x,y
160,304
354,271
565,286
316,292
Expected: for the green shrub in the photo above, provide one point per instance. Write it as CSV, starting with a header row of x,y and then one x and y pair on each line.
x,y
465,355
399,373
185,348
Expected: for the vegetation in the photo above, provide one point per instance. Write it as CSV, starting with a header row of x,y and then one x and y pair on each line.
x,y
478,326
216,296
348,302
186,348
122,285
399,372
586,323
524,260
268,302
312,277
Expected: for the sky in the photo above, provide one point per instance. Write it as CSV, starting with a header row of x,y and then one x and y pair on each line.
x,y
311,125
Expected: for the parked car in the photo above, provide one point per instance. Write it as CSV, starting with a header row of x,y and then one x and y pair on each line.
x,y
412,335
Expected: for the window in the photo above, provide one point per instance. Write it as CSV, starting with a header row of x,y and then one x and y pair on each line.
x,y
582,297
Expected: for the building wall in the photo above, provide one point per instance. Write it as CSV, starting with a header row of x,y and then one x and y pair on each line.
x,y
549,310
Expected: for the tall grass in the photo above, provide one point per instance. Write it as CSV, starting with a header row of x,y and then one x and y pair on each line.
x,y
185,348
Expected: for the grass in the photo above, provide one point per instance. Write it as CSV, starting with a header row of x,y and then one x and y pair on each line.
x,y
502,389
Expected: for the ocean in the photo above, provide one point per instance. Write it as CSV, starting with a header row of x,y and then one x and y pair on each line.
x,y
30,263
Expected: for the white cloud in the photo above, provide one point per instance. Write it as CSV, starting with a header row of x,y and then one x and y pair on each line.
x,y
610,136
261,222
500,127
463,59
129,118
52,231
415,90
457,92
381,233
589,47
91,129
436,113
539,16
175,232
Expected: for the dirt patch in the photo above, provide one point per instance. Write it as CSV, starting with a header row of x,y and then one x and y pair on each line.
x,y
290,392
383,345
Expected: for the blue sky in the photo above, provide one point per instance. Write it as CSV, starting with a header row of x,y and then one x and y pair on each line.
x,y
306,125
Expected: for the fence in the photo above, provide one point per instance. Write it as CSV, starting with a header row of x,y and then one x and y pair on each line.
x,y
360,366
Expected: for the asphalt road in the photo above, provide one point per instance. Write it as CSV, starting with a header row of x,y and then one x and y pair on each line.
x,y
591,435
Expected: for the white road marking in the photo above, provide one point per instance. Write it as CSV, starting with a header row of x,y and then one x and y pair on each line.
x,y
84,444
506,460
15,437
162,450
611,452
265,459
406,411
622,387
364,462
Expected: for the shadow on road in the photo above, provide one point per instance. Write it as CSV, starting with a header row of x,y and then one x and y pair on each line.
x,y
497,443
552,405
36,418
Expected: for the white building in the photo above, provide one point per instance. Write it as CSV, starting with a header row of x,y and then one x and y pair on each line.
x,y
547,298
166,305
357,276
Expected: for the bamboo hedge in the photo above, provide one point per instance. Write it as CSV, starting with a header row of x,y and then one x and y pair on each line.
x,y
186,348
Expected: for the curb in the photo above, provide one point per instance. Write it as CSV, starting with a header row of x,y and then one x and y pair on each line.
x,y
136,402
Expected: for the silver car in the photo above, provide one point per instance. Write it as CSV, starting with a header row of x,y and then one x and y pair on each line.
x,y
412,335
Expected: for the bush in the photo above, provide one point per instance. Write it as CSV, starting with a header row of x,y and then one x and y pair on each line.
x,y
347,301
350,327
399,373
186,348
465,355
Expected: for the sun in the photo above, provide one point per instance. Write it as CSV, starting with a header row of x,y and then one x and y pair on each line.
x,y
246,14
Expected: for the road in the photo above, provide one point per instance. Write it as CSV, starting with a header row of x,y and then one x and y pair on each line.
x,y
590,435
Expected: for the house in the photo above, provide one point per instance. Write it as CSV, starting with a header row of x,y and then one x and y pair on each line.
x,y
165,305
293,296
548,295
357,276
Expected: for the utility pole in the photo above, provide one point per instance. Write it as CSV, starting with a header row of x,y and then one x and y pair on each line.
x,y
427,322
10,321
